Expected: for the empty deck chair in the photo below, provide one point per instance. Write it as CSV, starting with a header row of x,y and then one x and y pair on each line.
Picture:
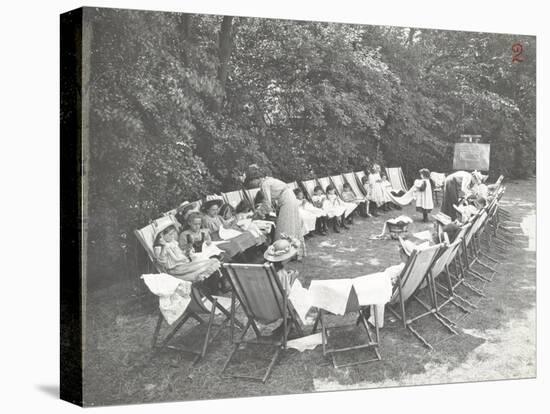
x,y
233,198
372,340
264,299
463,260
439,266
414,273
198,306
397,179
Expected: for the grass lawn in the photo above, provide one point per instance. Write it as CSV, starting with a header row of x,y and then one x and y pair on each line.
x,y
496,341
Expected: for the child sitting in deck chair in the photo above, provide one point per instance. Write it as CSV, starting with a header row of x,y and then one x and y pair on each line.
x,y
314,218
335,202
177,262
335,213
349,197
192,239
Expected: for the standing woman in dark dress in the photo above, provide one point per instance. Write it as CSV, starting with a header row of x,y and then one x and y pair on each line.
x,y
277,192
460,184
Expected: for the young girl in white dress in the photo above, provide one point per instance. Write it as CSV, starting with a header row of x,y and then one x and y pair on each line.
x,y
334,212
424,199
314,218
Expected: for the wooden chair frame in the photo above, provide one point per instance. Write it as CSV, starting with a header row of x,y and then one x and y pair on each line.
x,y
402,288
195,308
284,310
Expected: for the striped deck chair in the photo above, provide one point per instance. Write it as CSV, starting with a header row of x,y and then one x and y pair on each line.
x,y
442,267
233,198
264,299
463,259
293,185
146,237
358,177
251,195
351,179
415,272
338,182
309,185
326,181
397,179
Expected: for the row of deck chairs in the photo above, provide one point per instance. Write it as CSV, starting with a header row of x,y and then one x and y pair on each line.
x,y
233,198
264,299
444,268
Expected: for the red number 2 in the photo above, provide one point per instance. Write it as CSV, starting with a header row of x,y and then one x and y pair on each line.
x,y
517,52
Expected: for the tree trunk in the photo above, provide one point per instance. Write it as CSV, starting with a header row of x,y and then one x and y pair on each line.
x,y
224,50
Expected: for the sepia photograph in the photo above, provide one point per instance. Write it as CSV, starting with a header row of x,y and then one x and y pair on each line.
x,y
257,206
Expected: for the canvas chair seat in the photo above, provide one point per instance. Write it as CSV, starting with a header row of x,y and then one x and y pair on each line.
x,y
233,198
197,306
264,299
351,179
309,185
397,179
324,182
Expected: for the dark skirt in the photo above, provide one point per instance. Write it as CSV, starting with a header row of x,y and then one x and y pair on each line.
x,y
450,197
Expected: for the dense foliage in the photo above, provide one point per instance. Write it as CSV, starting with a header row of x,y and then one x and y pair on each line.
x,y
181,104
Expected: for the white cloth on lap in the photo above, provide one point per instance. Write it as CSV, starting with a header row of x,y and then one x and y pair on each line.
x,y
174,294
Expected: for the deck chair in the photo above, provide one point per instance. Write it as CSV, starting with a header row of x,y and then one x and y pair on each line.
x,y
338,182
324,182
414,273
397,179
351,179
476,249
293,185
233,198
309,185
463,260
264,299
251,195
358,177
439,266
445,290
197,306
372,338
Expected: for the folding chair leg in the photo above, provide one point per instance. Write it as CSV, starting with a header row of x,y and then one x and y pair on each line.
x,y
420,337
489,257
176,328
478,275
486,266
157,330
474,289
446,322
236,346
271,364
208,330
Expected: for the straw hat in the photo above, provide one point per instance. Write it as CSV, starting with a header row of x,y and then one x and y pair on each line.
x,y
209,203
280,250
